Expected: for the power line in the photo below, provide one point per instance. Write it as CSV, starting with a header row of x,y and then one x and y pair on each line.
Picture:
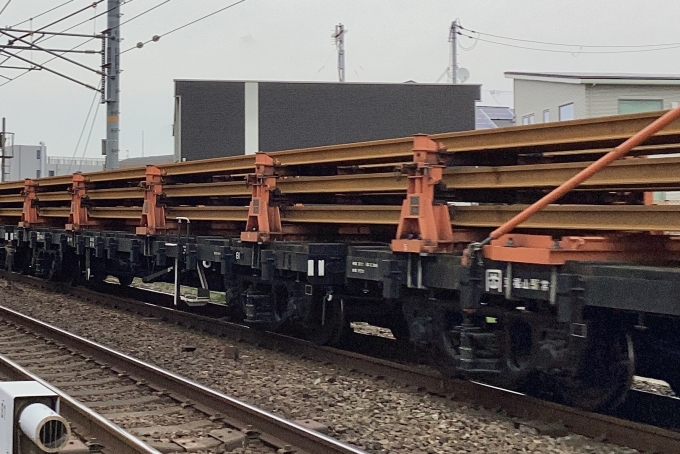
x,y
63,31
94,4
5,7
82,131
573,52
89,134
144,12
42,14
548,43
44,63
157,37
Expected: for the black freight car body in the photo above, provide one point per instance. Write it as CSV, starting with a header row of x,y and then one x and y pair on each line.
x,y
577,331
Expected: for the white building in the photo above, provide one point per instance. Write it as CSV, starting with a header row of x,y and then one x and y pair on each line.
x,y
543,97
57,165
27,161
31,161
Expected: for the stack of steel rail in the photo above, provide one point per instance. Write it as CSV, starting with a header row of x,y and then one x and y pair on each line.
x,y
488,177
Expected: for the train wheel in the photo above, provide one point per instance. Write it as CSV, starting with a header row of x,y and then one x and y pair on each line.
x,y
400,330
327,324
605,375
675,384
125,280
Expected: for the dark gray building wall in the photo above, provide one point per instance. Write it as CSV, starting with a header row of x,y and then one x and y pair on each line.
x,y
211,118
300,115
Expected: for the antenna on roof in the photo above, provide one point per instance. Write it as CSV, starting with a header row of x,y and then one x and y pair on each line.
x,y
463,74
339,39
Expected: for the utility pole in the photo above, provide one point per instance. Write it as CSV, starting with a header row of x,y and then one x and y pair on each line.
x,y
2,148
453,37
339,37
112,85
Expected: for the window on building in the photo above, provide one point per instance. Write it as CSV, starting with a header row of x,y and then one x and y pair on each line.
x,y
37,153
50,173
628,106
546,116
528,119
567,112
37,173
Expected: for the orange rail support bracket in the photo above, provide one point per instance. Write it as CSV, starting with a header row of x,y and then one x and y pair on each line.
x,y
264,220
78,215
546,250
29,213
153,211
424,226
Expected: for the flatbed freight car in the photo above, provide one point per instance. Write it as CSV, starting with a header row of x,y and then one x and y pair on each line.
x,y
573,293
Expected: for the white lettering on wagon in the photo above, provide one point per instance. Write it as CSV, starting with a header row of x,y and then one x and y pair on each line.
x,y
494,282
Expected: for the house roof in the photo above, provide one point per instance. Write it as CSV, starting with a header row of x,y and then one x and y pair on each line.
x,y
491,117
597,78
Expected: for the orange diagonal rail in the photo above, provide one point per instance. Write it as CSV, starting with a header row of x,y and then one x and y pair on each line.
x,y
586,173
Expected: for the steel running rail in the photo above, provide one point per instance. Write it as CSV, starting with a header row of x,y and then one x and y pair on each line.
x,y
88,422
622,432
273,429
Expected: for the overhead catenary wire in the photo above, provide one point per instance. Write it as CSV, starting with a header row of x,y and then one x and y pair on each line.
x,y
70,28
143,13
44,63
89,135
573,52
81,23
82,131
569,45
42,14
157,37
94,4
5,7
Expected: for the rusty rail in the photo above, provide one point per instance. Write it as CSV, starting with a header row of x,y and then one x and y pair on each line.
x,y
619,431
637,139
273,429
88,422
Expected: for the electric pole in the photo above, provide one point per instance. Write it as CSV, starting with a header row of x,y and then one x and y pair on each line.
x,y
112,85
2,148
453,37
339,37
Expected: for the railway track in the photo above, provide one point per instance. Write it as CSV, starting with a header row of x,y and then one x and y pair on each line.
x,y
633,427
86,424
166,412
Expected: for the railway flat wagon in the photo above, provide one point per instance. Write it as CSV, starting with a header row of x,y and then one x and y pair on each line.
x,y
528,257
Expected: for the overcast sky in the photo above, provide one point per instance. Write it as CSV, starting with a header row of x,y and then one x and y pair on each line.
x,y
289,40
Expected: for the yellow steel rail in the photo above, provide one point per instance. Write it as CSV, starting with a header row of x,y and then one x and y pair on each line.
x,y
559,136
555,138
216,213
59,212
632,173
221,189
342,214
637,173
567,217
114,194
580,217
11,198
10,212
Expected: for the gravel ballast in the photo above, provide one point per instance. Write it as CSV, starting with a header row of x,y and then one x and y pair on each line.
x,y
376,415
